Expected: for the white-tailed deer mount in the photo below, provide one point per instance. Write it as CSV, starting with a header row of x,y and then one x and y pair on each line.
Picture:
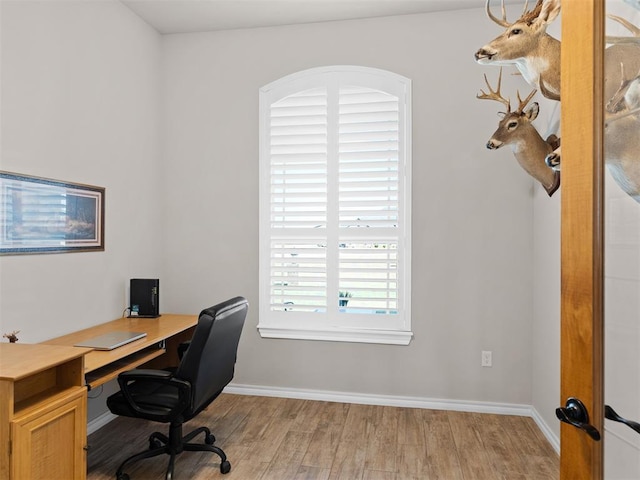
x,y
526,45
622,136
516,130
625,52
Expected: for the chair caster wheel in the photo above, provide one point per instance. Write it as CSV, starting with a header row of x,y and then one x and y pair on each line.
x,y
210,439
225,467
154,443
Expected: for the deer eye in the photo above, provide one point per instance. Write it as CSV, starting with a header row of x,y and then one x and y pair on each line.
x,y
512,125
516,31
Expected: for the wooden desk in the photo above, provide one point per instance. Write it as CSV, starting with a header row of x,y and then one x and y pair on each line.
x,y
43,407
43,412
158,349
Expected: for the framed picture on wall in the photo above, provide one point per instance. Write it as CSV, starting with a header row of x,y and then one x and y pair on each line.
x,y
40,215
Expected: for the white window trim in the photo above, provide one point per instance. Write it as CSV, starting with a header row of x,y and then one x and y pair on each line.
x,y
289,328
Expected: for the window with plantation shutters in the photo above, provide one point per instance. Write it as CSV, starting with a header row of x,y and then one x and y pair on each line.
x,y
334,206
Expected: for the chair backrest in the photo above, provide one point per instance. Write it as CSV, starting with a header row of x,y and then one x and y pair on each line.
x,y
209,362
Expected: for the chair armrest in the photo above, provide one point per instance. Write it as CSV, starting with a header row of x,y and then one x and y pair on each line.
x,y
127,379
144,373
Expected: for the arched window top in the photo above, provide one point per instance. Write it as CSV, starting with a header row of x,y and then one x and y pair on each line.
x,y
374,78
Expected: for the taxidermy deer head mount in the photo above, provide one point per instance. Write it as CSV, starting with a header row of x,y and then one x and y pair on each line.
x,y
536,54
621,137
526,45
516,130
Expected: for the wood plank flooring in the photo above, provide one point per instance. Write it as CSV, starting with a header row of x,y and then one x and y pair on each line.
x,y
269,438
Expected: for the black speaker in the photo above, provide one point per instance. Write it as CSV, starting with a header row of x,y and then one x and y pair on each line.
x,y
144,297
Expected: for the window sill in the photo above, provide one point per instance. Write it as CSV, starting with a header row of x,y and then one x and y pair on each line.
x,y
386,337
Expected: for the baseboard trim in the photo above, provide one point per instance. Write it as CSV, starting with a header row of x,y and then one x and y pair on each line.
x,y
549,434
99,422
387,400
373,399
400,401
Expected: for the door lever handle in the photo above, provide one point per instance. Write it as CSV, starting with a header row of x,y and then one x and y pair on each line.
x,y
575,413
610,414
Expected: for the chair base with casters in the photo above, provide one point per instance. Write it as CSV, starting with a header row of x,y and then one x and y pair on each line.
x,y
173,445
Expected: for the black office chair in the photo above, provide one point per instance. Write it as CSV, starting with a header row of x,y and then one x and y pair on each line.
x,y
206,367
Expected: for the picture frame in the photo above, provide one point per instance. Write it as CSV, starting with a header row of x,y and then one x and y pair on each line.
x,y
41,215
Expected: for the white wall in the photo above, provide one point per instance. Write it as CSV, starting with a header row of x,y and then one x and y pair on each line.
x,y
472,208
80,102
546,309
622,331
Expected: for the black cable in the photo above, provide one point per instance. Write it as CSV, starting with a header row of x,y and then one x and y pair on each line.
x,y
94,389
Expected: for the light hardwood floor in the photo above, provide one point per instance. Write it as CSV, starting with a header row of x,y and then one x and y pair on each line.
x,y
285,439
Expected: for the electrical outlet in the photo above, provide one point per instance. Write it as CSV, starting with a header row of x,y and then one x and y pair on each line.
x,y
486,358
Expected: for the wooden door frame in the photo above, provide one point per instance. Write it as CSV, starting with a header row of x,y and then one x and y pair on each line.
x,y
582,232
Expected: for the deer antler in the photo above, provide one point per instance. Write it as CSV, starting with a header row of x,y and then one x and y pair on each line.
x,y
621,115
617,105
526,16
629,26
503,22
626,24
523,103
495,94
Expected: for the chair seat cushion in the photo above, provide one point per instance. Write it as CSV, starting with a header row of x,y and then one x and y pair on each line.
x,y
157,401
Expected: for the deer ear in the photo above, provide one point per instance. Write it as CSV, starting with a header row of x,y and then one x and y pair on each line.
x,y
550,10
532,113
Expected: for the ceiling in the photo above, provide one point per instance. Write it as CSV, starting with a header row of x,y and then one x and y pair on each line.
x,y
187,16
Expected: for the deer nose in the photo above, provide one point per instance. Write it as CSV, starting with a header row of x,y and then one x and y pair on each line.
x,y
482,54
493,144
552,160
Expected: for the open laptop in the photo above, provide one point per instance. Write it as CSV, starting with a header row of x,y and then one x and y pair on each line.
x,y
111,340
